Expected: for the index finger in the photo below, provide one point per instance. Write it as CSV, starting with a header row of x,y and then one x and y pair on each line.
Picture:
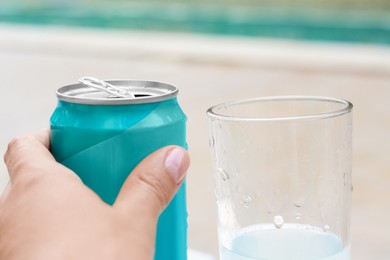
x,y
28,152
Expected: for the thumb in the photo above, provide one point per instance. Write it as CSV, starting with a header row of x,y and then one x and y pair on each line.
x,y
153,183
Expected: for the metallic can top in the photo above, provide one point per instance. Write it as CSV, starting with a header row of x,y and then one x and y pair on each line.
x,y
140,92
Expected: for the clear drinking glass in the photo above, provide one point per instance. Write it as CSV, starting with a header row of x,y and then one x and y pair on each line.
x,y
282,168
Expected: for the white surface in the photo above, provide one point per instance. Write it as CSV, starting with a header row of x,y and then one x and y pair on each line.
x,y
197,255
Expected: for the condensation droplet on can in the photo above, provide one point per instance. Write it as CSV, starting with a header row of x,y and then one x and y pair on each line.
x,y
224,175
278,221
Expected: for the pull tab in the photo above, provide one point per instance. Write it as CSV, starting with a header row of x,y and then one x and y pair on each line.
x,y
106,87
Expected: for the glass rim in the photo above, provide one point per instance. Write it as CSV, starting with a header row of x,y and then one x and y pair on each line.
x,y
212,111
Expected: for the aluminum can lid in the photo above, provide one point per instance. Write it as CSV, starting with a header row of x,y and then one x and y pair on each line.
x,y
141,92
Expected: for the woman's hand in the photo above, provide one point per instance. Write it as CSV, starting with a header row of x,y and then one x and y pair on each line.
x,y
46,212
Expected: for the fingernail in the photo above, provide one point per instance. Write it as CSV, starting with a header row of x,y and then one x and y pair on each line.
x,y
175,165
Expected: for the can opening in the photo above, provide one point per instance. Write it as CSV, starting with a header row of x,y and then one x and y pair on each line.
x,y
135,96
141,95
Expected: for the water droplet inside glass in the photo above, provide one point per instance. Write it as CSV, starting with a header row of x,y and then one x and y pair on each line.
x,y
346,178
297,216
224,175
278,221
326,228
238,189
246,199
299,202
211,142
351,187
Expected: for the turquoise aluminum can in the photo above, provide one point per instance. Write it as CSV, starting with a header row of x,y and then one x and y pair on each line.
x,y
102,136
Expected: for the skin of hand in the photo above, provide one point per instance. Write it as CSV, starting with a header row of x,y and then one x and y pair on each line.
x,y
46,212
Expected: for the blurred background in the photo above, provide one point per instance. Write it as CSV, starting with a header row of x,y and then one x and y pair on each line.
x,y
213,51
